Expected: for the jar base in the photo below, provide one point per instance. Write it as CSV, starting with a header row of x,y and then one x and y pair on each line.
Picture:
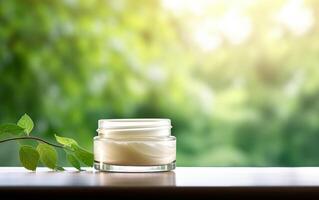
x,y
126,168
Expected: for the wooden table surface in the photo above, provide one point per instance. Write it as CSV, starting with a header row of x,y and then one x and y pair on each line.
x,y
184,181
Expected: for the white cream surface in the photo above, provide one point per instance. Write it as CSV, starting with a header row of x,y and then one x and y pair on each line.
x,y
135,152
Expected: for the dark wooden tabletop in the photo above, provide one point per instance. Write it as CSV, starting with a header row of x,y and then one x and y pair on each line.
x,y
184,181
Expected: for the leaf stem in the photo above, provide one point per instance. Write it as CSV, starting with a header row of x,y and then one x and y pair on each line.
x,y
34,138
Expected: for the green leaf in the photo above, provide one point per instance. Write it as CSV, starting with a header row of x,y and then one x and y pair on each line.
x,y
80,153
65,141
59,168
29,157
48,155
73,161
84,156
26,123
10,129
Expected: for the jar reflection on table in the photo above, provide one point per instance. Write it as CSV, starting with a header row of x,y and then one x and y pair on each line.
x,y
136,179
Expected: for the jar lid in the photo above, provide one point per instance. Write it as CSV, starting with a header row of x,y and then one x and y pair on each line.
x,y
152,127
133,123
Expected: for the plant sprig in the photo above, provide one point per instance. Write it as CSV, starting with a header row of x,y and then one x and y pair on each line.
x,y
45,152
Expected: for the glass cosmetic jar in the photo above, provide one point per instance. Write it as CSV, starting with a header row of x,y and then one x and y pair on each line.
x,y
134,145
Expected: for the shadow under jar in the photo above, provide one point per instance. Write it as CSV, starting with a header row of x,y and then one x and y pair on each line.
x,y
134,145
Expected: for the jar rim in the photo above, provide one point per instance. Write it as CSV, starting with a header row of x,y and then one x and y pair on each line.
x,y
133,123
137,139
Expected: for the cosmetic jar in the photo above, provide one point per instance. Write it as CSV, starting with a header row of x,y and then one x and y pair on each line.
x,y
134,145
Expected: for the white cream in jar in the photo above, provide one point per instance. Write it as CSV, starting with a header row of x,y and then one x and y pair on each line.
x,y
134,145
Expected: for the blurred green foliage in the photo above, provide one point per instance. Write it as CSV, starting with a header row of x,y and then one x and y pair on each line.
x,y
251,101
